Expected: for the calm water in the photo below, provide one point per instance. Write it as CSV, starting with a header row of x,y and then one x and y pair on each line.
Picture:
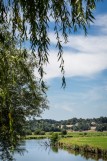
x,y
36,151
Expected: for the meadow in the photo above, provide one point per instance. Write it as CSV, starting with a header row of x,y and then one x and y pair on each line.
x,y
93,142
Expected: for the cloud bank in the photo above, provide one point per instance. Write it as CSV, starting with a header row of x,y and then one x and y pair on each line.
x,y
83,56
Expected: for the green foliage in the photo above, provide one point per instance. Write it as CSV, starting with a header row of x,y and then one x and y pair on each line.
x,y
49,125
55,149
54,138
44,125
42,133
20,92
101,127
63,132
28,132
82,126
92,141
75,128
39,132
30,20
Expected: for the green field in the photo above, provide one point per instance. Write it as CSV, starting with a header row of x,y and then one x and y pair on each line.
x,y
37,136
91,142
94,141
88,134
72,134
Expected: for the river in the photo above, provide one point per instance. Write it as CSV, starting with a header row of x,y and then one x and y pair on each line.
x,y
37,151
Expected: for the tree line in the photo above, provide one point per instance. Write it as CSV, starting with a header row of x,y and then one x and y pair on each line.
x,y
74,124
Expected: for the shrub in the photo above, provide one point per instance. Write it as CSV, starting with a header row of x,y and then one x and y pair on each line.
x,y
37,132
54,138
42,132
64,132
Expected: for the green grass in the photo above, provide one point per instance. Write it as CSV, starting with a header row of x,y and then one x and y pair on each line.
x,y
93,141
37,136
69,135
88,134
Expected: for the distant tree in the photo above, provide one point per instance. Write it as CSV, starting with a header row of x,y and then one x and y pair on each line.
x,y
75,128
101,127
42,133
80,127
37,132
74,120
64,127
28,132
103,119
83,126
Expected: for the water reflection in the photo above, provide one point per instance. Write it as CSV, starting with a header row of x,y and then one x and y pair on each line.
x,y
7,152
54,149
46,144
39,150
87,155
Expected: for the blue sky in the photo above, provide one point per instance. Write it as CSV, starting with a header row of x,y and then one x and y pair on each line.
x,y
85,58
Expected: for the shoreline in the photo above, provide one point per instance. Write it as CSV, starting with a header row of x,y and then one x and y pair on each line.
x,y
83,146
94,143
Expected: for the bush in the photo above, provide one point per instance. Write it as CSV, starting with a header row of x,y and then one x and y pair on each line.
x,y
28,132
64,132
37,132
50,133
54,138
42,132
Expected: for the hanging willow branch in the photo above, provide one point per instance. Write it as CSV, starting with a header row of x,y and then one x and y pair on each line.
x,y
31,18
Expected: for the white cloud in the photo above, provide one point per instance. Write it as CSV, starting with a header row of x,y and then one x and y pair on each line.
x,y
84,64
81,64
101,21
89,44
85,56
90,58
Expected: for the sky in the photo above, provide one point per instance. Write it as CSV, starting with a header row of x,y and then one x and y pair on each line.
x,y
85,95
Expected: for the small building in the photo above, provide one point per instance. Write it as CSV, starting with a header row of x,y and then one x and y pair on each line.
x,y
93,128
67,126
93,123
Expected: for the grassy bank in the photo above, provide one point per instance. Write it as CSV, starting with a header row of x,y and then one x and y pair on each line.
x,y
37,136
93,144
69,135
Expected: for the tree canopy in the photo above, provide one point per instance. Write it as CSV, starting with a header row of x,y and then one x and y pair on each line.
x,y
20,92
30,20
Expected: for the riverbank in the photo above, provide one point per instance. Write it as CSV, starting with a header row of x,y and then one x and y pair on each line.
x,y
94,144
29,137
82,142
